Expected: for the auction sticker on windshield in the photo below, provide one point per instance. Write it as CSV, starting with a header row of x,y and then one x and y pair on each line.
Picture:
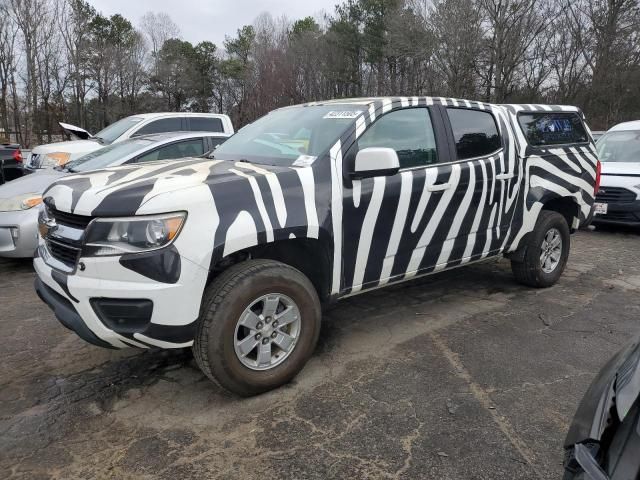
x,y
342,114
600,208
304,161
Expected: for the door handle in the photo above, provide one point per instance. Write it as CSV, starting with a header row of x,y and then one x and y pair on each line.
x,y
505,176
439,187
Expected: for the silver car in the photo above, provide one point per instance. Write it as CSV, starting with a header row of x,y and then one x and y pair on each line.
x,y
20,199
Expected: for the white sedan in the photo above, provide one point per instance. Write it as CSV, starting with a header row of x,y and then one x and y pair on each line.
x,y
19,198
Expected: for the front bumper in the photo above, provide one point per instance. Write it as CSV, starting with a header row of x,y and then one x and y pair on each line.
x,y
121,307
66,314
620,214
25,224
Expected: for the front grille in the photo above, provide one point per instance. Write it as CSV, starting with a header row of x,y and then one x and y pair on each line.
x,y
615,195
64,243
70,219
63,253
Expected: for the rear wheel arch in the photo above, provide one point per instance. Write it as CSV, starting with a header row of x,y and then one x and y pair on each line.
x,y
565,206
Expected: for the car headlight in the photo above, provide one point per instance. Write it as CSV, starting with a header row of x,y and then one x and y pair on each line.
x,y
116,236
20,202
55,159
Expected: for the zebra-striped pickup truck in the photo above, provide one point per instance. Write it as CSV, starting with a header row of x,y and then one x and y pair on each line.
x,y
235,254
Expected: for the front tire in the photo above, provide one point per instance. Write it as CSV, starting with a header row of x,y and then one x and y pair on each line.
x,y
547,251
259,324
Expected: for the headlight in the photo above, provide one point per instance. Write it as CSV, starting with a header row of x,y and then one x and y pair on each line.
x,y
55,159
116,236
21,202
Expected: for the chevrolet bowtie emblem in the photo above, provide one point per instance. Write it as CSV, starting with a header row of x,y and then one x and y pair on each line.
x,y
47,226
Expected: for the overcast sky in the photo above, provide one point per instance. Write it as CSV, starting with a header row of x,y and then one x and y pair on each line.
x,y
213,19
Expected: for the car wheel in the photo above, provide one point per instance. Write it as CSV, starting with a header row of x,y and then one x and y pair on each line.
x,y
259,324
547,250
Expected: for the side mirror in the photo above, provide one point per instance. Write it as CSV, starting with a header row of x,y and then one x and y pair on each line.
x,y
375,162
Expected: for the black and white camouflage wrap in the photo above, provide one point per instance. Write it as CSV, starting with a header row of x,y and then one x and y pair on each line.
x,y
378,230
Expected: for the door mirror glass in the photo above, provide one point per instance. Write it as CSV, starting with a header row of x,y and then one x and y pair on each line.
x,y
375,162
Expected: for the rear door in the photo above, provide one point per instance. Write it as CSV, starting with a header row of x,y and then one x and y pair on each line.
x,y
488,187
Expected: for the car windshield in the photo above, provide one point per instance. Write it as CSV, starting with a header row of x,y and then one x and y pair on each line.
x,y
108,156
112,132
622,146
290,136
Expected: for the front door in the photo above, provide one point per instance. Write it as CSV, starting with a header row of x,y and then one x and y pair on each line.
x,y
386,218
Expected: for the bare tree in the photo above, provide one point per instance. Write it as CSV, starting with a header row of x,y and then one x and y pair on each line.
x,y
158,28
458,33
27,14
62,58
75,28
512,27
8,65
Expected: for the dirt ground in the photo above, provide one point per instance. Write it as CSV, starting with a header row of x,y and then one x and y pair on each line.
x,y
461,375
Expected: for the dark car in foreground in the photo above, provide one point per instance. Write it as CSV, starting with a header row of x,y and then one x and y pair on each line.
x,y
10,162
604,439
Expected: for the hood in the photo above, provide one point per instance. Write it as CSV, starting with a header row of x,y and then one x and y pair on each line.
x,y
75,132
621,168
76,148
120,191
616,387
34,183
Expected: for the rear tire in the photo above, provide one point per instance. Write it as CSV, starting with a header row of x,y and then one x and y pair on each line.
x,y
543,263
240,296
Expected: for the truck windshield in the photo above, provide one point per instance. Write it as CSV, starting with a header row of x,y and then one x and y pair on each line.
x,y
623,146
290,136
109,134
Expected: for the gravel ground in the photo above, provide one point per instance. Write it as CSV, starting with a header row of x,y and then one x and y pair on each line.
x,y
461,375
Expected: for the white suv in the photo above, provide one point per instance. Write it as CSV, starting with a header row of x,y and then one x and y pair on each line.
x,y
57,154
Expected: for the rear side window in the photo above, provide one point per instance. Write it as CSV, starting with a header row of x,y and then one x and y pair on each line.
x,y
205,124
162,126
475,133
552,128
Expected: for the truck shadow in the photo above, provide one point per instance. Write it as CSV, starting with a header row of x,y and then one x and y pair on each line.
x,y
54,404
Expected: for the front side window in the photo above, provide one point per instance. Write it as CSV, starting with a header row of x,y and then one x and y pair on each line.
x,y
108,156
187,148
409,132
553,128
622,146
290,136
162,125
205,124
475,133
